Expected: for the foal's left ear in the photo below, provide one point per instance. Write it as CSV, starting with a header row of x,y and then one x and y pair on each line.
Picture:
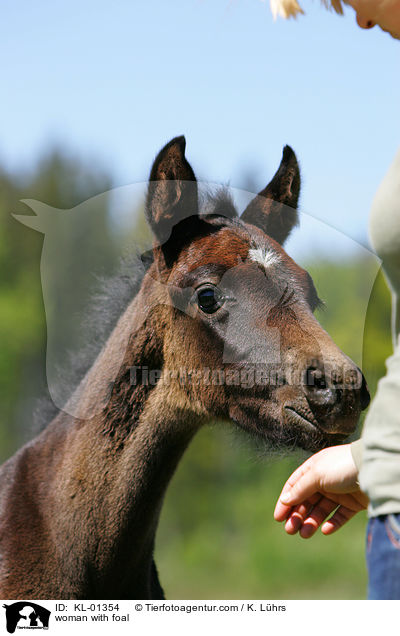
x,y
172,191
274,208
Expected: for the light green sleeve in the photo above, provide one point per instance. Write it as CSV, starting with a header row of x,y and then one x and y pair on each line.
x,y
380,469
379,476
357,448
384,232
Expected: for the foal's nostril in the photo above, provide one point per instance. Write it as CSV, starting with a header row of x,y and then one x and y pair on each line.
x,y
330,390
314,377
319,393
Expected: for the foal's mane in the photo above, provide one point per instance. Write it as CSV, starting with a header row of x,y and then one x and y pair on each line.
x,y
110,298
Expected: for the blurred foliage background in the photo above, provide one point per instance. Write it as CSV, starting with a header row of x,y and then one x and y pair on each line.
x,y
217,537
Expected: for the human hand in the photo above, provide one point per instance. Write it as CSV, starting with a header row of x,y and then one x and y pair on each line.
x,y
325,483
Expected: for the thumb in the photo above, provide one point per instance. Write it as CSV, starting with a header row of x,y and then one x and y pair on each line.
x,y
301,485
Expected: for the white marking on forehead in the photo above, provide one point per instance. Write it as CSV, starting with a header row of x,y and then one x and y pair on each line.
x,y
264,257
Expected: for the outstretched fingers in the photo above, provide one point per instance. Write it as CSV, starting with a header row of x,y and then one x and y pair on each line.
x,y
324,485
297,514
338,519
317,516
300,487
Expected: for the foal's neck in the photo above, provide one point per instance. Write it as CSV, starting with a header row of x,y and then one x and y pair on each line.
x,y
142,469
129,451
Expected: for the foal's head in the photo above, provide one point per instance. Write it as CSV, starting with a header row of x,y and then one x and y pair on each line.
x,y
241,332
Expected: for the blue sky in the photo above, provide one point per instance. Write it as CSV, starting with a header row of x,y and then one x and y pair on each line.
x,y
114,81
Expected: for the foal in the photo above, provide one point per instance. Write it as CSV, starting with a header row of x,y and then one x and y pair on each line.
x,y
79,504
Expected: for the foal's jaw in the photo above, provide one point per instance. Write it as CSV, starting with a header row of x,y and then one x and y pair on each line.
x,y
282,421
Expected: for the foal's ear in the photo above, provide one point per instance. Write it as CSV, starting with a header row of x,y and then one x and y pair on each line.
x,y
274,208
172,191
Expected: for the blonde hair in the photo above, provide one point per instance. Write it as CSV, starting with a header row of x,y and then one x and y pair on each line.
x,y
291,8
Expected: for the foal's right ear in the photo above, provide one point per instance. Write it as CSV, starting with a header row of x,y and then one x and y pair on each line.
x,y
274,209
172,191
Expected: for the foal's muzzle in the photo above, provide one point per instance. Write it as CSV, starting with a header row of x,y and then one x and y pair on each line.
x,y
336,396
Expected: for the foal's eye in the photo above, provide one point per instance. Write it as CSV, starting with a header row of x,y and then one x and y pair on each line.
x,y
209,299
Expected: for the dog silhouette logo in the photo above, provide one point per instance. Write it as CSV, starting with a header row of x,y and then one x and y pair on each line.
x,y
26,615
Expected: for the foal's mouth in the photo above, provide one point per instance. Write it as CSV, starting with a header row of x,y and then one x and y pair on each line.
x,y
306,419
